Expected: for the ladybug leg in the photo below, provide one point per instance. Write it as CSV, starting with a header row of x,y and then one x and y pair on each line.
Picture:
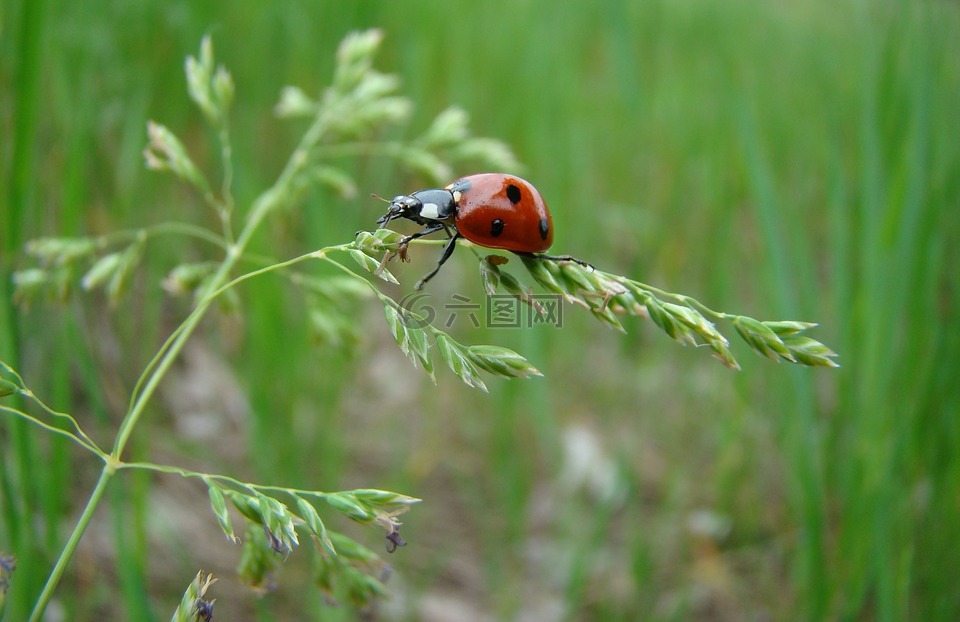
x,y
446,228
447,251
541,256
402,247
419,234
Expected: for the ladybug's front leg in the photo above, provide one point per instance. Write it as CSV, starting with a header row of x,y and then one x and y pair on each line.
x,y
447,251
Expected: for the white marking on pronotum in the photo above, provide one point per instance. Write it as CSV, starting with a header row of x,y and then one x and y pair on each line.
x,y
456,197
430,210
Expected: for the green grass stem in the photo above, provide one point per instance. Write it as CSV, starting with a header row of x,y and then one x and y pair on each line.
x,y
273,198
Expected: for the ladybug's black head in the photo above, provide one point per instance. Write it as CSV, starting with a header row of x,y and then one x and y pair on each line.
x,y
402,206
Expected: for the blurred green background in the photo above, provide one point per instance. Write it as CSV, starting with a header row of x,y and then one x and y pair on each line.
x,y
785,160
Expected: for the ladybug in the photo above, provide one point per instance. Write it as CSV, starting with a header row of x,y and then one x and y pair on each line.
x,y
494,210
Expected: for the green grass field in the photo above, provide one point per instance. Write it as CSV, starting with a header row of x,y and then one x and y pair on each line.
x,y
781,160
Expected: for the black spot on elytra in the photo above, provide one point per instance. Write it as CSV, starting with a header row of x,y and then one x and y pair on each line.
x,y
513,193
544,228
496,227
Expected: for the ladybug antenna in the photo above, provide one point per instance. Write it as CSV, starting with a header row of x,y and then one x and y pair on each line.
x,y
390,215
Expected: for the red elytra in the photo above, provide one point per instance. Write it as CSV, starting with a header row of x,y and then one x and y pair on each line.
x,y
502,211
495,210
